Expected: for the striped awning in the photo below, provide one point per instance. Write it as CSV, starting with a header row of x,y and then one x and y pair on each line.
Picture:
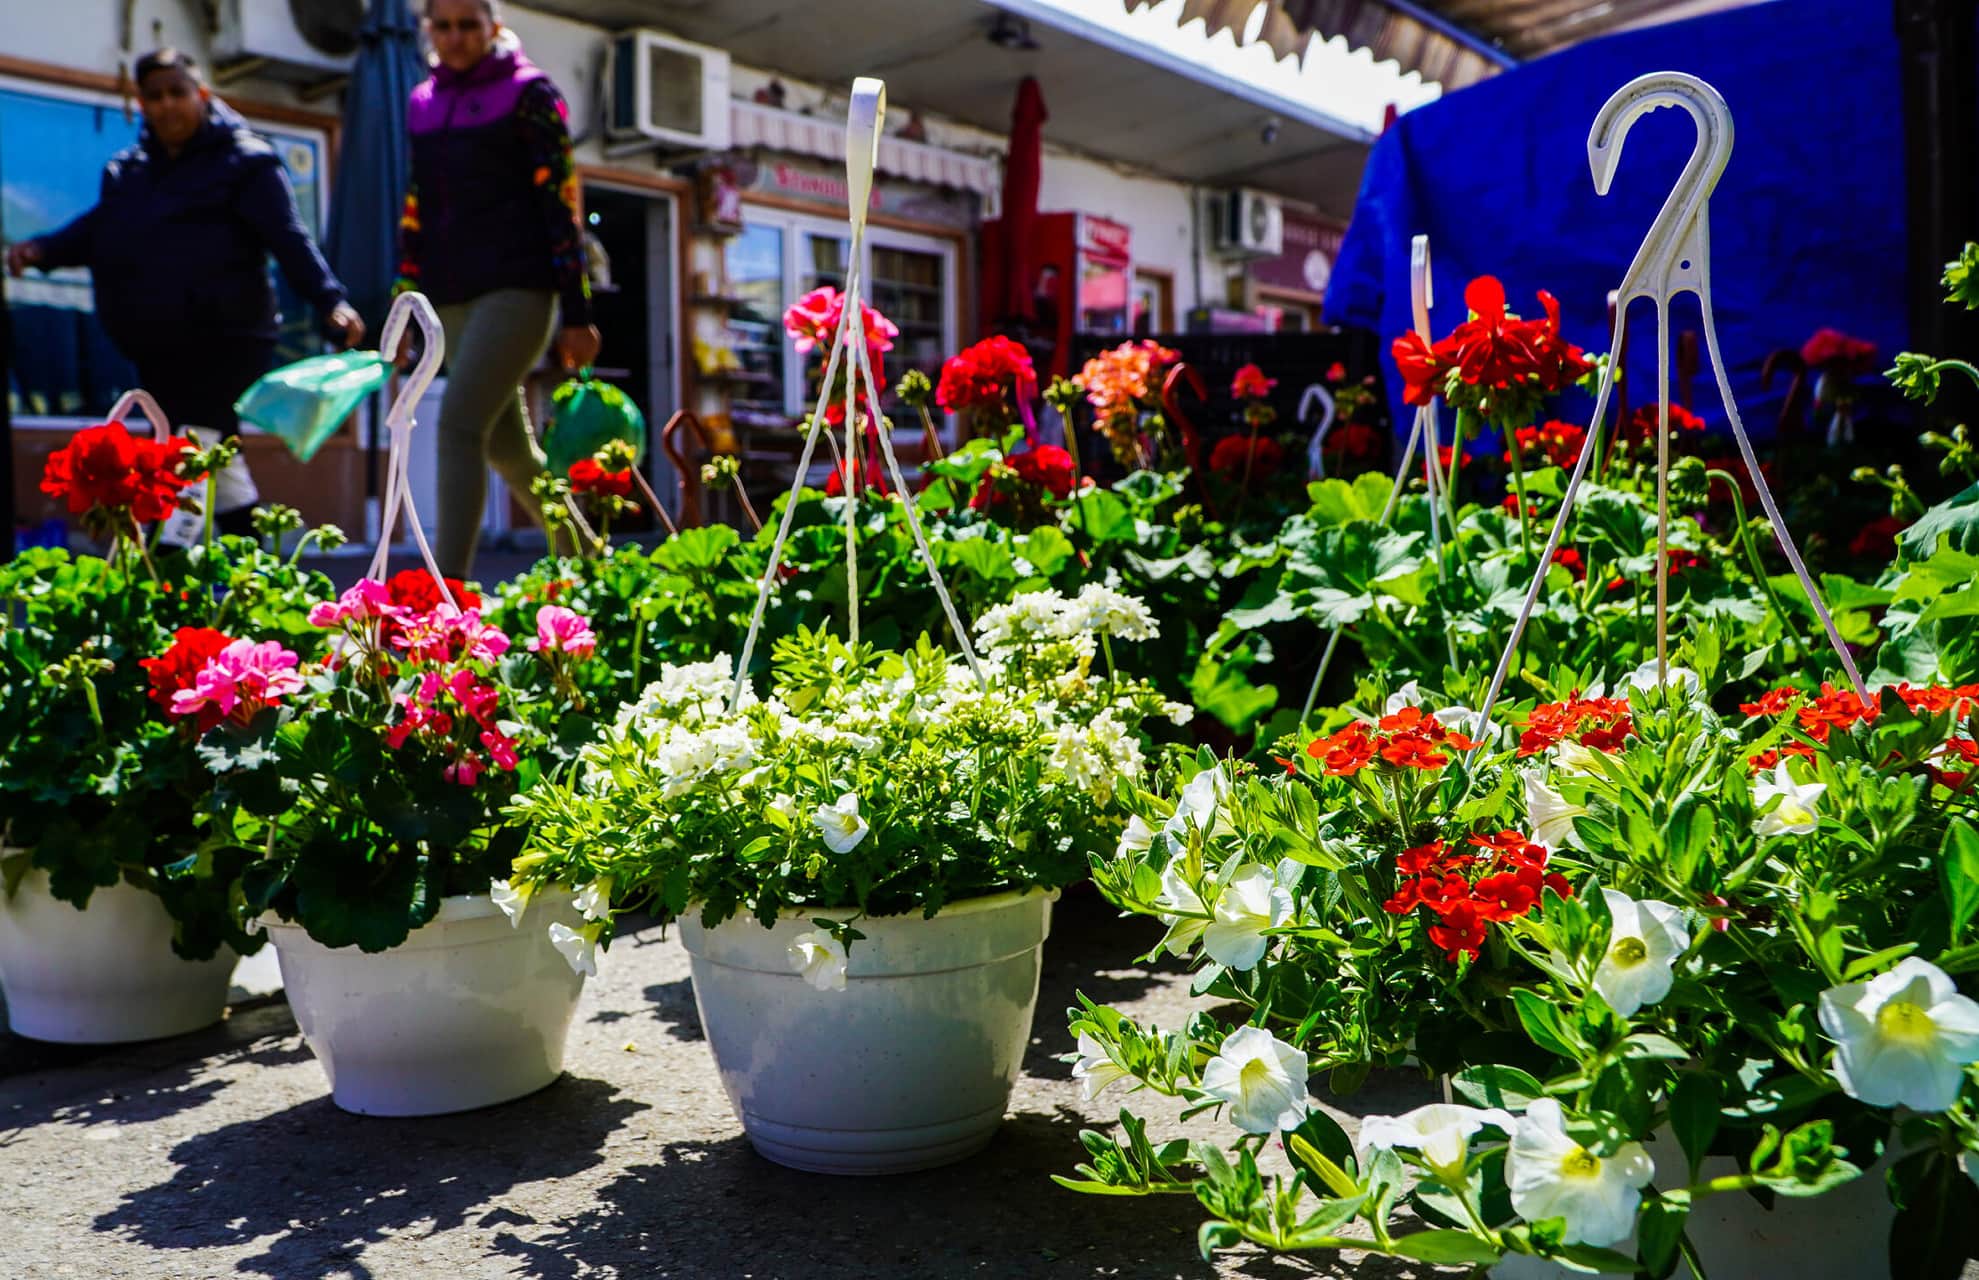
x,y
755,125
1453,42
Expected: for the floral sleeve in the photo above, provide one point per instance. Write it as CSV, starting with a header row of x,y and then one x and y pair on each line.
x,y
408,278
544,120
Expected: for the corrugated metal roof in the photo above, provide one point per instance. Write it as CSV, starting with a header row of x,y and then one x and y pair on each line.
x,y
1453,42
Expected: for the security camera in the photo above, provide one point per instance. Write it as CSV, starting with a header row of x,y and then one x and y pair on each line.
x,y
1269,133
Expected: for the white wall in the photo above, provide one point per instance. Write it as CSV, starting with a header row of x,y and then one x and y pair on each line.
x,y
83,35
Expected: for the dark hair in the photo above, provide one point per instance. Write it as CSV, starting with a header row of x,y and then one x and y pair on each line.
x,y
167,59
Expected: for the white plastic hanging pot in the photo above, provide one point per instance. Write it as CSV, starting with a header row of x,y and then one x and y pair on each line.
x,y
104,973
1843,1235
468,1011
909,1067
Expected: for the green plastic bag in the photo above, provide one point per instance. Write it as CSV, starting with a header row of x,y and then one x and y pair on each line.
x,y
585,416
304,403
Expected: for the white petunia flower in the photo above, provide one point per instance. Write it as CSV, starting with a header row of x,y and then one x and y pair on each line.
x,y
594,900
784,805
1137,838
1643,945
1903,1038
1094,1070
1552,1176
1262,1078
1440,1133
510,899
819,958
1409,695
580,948
1199,804
1682,679
1255,900
1552,818
1182,911
1574,758
841,824
1794,814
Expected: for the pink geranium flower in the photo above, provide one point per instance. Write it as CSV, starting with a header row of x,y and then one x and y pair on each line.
x,y
501,749
366,600
240,680
476,697
465,771
559,630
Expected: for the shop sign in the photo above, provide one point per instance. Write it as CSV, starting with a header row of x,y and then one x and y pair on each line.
x,y
1306,262
819,185
1105,241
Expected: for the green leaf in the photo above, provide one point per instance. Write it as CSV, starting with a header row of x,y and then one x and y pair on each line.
x,y
1606,1261
1659,1234
1958,864
1695,1113
1217,1235
1446,1246
1101,516
1498,1086
1331,1175
1543,1024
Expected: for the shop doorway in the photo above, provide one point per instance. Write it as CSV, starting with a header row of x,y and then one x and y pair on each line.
x,y
634,299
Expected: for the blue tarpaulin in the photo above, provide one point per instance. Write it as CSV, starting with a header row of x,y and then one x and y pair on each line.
x,y
373,165
1807,225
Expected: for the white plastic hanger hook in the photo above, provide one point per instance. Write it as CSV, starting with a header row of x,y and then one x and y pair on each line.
x,y
1422,291
1317,396
865,122
407,308
161,427
1676,254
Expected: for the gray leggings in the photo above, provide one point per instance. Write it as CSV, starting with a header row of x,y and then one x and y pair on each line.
x,y
493,341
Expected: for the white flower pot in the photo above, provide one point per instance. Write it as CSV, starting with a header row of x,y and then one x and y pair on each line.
x,y
468,1011
103,974
1843,1235
910,1066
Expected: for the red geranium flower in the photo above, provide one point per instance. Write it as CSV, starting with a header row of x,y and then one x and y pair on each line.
x,y
104,467
1423,370
1354,444
1642,423
1560,442
1046,467
1833,352
415,589
176,668
978,376
1336,372
1837,709
1877,540
1227,458
1344,753
1251,384
1413,751
586,476
1569,558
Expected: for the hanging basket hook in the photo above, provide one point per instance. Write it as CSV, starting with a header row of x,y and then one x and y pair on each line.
x,y
1675,256
408,308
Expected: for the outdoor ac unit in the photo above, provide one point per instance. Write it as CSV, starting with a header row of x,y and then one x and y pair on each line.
x,y
1246,224
297,39
669,91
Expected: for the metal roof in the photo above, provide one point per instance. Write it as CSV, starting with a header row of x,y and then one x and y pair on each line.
x,y
1453,42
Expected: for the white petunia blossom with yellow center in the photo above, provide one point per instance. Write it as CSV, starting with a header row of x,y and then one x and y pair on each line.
x,y
1787,807
840,823
1262,1080
1552,818
577,946
819,959
1440,1133
1644,941
1256,899
1182,910
1552,1176
1095,1070
1903,1038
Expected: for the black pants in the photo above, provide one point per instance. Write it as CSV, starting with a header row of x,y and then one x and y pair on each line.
x,y
198,387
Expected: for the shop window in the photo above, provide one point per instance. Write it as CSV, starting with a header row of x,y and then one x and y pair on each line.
x,y
754,269
53,146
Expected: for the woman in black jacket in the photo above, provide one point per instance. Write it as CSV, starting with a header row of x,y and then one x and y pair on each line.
x,y
177,247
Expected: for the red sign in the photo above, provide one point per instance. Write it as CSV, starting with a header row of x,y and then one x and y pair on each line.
x,y
1105,241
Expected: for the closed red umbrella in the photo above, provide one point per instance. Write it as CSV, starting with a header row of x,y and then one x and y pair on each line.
x,y
1020,200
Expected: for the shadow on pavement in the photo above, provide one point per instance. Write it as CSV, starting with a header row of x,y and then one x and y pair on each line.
x,y
315,1185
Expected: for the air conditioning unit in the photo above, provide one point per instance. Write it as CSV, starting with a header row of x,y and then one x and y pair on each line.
x,y
668,91
289,39
1246,224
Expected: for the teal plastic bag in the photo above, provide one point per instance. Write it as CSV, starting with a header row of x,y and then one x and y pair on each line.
x,y
585,416
304,403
